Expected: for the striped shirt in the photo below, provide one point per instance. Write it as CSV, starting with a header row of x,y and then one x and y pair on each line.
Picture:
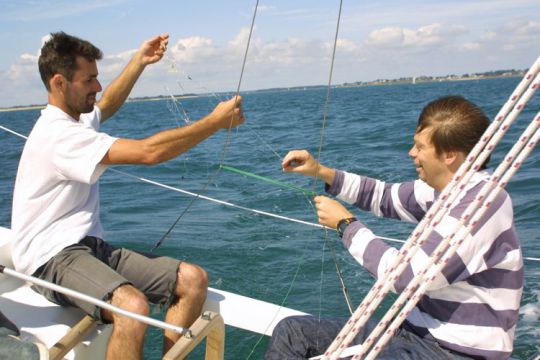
x,y
472,306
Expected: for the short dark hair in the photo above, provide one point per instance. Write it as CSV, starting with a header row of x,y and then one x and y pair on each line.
x,y
457,124
59,56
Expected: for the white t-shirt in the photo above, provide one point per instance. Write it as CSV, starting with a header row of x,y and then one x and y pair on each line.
x,y
56,195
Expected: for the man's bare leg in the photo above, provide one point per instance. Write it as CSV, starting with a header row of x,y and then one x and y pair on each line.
x,y
127,338
191,289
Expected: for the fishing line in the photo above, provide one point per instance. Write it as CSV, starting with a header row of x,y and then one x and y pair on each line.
x,y
264,142
319,151
326,240
175,110
219,99
179,111
227,140
282,304
246,124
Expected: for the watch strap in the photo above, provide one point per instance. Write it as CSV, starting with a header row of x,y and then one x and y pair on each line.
x,y
342,225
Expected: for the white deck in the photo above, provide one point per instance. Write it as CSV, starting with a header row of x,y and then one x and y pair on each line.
x,y
40,320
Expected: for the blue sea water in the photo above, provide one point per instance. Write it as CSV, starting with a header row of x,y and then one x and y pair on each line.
x,y
368,130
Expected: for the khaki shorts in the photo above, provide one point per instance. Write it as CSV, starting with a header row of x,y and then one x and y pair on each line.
x,y
95,268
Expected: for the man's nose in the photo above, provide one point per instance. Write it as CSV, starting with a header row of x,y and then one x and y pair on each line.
x,y
98,87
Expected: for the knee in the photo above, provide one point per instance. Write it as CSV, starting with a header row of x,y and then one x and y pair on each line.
x,y
286,326
131,299
296,327
192,281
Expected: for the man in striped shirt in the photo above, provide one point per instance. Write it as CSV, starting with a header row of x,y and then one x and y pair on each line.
x,y
471,309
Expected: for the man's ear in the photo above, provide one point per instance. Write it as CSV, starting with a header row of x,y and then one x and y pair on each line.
x,y
454,159
58,83
450,157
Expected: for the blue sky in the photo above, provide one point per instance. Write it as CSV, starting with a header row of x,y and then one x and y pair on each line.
x,y
291,44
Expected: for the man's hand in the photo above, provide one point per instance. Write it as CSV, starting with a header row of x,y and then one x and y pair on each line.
x,y
152,50
301,162
330,211
116,93
228,114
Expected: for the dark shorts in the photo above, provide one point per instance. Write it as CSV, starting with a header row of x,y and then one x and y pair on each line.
x,y
95,268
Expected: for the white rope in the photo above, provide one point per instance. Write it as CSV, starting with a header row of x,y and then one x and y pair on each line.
x,y
226,203
94,301
222,202
13,132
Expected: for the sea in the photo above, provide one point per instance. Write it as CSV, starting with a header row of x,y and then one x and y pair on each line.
x,y
367,130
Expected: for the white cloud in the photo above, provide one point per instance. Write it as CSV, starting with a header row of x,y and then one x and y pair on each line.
x,y
425,36
241,39
122,56
522,28
292,52
389,36
265,8
385,52
23,69
25,86
346,45
488,36
515,36
193,49
468,46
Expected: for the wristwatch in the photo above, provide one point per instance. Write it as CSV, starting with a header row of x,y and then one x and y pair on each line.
x,y
342,225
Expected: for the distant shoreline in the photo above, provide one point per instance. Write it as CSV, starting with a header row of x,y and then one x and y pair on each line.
x,y
408,80
21,108
38,107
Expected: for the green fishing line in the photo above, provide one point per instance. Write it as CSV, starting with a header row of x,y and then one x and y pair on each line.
x,y
268,180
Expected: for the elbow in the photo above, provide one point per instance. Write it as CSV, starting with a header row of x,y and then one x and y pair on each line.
x,y
152,158
157,153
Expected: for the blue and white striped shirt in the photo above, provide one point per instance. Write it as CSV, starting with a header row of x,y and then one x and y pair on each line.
x,y
472,306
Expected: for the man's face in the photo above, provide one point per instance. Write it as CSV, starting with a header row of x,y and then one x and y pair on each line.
x,y
80,93
430,166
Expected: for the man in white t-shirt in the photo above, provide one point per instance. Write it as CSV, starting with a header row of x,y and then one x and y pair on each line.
x,y
55,217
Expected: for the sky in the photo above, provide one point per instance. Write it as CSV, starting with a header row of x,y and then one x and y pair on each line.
x,y
291,44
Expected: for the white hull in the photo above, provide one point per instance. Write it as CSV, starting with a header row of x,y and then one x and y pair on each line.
x,y
40,320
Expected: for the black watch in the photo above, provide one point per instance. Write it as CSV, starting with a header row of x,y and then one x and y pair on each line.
x,y
342,225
